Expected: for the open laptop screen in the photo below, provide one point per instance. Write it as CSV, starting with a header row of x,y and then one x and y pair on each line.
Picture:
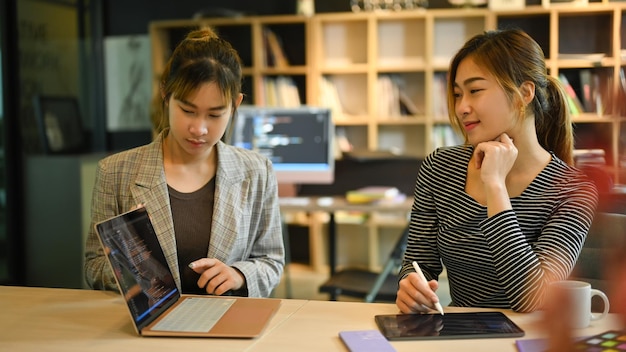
x,y
139,265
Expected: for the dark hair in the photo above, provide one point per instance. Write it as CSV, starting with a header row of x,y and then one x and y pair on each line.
x,y
513,57
201,57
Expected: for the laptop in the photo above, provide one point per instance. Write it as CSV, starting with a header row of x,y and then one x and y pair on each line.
x,y
156,306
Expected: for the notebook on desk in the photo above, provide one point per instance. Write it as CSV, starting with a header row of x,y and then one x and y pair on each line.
x,y
155,304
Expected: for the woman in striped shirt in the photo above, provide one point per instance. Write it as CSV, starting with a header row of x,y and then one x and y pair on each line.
x,y
506,213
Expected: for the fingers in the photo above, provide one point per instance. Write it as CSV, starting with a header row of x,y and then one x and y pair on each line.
x,y
504,138
202,264
495,158
216,277
137,206
415,295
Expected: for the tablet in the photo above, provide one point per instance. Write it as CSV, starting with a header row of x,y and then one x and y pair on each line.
x,y
467,325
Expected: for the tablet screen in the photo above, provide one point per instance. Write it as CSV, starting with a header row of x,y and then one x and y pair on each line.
x,y
448,326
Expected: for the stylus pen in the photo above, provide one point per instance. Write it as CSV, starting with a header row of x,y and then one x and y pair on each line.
x,y
421,274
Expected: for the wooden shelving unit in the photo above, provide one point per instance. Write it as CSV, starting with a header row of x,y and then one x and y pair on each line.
x,y
354,51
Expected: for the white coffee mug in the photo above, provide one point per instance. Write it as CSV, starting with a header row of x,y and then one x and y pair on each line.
x,y
580,294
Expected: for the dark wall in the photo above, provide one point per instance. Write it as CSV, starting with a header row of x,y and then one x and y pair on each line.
x,y
123,17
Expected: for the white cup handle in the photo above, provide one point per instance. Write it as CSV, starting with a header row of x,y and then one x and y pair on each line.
x,y
596,316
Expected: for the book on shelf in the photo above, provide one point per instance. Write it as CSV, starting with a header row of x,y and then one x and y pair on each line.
x,y
274,54
444,135
621,95
588,89
407,106
388,97
280,91
329,96
440,97
269,91
596,87
392,97
589,157
574,103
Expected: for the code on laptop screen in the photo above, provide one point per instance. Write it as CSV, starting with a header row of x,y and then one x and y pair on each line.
x,y
138,262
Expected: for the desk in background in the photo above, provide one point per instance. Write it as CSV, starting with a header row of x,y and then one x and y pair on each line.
x,y
48,319
354,170
331,205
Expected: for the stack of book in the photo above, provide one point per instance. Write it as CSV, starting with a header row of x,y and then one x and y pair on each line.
x,y
372,194
594,157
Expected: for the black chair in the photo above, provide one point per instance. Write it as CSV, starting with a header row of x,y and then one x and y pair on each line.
x,y
371,286
607,232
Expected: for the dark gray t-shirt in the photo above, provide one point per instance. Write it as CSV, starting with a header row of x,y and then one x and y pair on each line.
x,y
192,214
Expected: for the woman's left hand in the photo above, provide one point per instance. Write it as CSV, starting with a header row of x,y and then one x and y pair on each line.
x,y
216,277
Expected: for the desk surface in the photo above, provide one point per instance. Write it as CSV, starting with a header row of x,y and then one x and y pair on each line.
x,y
47,319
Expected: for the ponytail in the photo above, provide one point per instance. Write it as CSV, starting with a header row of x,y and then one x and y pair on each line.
x,y
553,121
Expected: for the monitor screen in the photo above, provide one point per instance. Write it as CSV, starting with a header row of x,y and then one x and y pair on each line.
x,y
298,141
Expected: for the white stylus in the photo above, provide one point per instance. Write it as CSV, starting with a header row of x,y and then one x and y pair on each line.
x,y
421,274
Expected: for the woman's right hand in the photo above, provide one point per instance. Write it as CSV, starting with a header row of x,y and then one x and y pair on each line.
x,y
495,159
415,295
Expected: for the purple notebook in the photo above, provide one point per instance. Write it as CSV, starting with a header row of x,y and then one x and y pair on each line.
x,y
365,341
532,345
535,345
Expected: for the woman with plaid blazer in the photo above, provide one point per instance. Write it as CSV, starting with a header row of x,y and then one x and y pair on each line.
x,y
214,207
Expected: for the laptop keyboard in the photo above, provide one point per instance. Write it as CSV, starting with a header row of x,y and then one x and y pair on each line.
x,y
194,314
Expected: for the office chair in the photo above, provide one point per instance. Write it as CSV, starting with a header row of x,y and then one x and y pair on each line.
x,y
370,286
607,232
286,271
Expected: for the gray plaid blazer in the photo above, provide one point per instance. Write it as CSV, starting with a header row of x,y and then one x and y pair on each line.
x,y
246,231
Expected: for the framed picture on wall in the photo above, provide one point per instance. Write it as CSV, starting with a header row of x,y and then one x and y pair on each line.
x,y
60,124
128,82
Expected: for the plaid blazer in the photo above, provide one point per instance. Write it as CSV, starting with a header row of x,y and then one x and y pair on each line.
x,y
246,230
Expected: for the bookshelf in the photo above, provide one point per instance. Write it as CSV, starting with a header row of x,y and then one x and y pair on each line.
x,y
253,38
344,60
349,61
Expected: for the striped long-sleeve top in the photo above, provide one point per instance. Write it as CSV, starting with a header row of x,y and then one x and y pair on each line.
x,y
507,260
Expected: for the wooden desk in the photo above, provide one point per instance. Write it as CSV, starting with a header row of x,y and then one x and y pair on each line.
x,y
314,204
47,319
50,319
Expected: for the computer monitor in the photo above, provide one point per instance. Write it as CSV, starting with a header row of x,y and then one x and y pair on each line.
x,y
298,141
